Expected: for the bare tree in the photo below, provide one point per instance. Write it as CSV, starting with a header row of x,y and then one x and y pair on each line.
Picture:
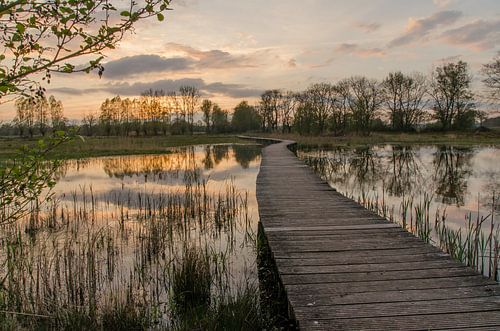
x,y
453,101
56,110
321,97
365,101
25,116
189,98
288,106
492,77
404,96
42,114
340,116
270,104
89,122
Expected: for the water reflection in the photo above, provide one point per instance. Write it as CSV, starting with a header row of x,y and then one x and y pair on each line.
x,y
184,163
404,172
126,227
455,177
452,171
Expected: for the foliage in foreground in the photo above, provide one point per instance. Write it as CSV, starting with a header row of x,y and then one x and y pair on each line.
x,y
25,178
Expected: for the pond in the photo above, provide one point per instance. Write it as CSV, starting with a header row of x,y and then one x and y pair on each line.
x,y
451,186
142,241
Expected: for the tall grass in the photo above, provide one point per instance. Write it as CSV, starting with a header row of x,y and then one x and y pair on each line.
x,y
362,173
476,244
129,260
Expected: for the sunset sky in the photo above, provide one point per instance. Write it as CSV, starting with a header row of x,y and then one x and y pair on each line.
x,y
233,50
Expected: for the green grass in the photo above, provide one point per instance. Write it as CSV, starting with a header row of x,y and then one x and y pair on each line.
x,y
445,138
108,146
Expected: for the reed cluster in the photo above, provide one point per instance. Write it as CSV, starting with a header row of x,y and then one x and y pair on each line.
x,y
131,260
476,244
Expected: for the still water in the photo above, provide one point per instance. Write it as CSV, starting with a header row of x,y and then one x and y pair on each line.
x,y
457,180
118,232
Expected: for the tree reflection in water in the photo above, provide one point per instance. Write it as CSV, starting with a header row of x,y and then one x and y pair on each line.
x,y
452,169
404,173
456,178
244,154
183,162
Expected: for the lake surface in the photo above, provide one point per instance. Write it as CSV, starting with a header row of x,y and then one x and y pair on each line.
x,y
459,180
452,182
119,229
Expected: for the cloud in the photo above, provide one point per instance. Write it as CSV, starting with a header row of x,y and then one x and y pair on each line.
x,y
355,49
69,90
167,85
443,3
216,59
479,35
191,59
419,29
368,27
232,90
142,64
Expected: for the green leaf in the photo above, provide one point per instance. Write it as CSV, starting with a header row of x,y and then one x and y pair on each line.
x,y
125,13
160,17
20,27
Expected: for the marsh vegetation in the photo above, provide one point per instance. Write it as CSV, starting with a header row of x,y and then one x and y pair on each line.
x,y
446,195
138,242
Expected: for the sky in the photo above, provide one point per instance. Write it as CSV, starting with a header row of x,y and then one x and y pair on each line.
x,y
233,50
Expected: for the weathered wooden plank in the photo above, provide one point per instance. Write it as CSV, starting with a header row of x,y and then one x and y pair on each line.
x,y
359,254
390,285
489,320
369,267
344,267
311,299
369,226
367,310
289,279
332,259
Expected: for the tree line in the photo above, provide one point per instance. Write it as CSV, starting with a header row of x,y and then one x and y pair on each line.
x,y
400,102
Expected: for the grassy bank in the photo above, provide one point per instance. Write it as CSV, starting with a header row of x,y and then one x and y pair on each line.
x,y
448,138
104,146
107,146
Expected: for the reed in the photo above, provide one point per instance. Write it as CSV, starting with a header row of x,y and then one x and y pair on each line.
x,y
476,244
129,260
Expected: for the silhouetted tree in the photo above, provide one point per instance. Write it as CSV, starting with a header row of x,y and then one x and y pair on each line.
x,y
270,109
305,121
189,98
288,107
89,122
339,120
404,96
220,122
492,80
453,101
320,98
206,109
245,118
364,102
39,113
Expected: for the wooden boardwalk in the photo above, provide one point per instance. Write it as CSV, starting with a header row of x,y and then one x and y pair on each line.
x,y
345,268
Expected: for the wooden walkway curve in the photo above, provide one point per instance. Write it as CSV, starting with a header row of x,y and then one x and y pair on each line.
x,y
345,268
